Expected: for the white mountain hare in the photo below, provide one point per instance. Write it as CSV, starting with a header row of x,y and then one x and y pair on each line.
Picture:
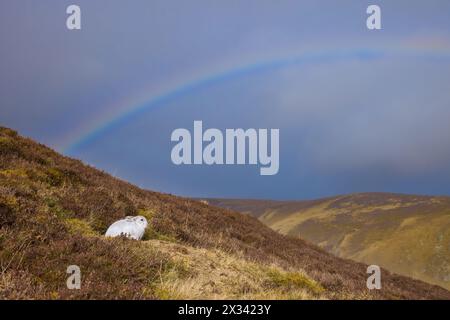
x,y
130,227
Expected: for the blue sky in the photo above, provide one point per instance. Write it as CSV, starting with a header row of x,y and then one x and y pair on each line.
x,y
357,110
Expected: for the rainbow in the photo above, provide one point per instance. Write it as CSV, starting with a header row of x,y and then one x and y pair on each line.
x,y
130,109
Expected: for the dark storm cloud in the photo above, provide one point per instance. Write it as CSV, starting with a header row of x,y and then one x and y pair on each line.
x,y
346,126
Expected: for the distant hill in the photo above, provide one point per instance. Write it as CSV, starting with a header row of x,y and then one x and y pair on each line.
x,y
407,234
54,211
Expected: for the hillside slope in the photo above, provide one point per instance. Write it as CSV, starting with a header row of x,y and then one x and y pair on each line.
x,y
406,234
54,211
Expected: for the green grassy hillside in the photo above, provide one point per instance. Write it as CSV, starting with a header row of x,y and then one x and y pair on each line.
x,y
406,234
54,211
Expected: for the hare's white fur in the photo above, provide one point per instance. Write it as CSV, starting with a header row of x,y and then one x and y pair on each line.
x,y
130,227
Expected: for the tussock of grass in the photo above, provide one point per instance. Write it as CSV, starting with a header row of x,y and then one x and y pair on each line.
x,y
294,280
80,227
54,177
54,207
151,232
22,173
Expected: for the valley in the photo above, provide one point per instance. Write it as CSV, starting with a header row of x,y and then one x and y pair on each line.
x,y
407,234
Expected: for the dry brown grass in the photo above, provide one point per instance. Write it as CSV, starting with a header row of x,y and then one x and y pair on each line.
x,y
199,273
